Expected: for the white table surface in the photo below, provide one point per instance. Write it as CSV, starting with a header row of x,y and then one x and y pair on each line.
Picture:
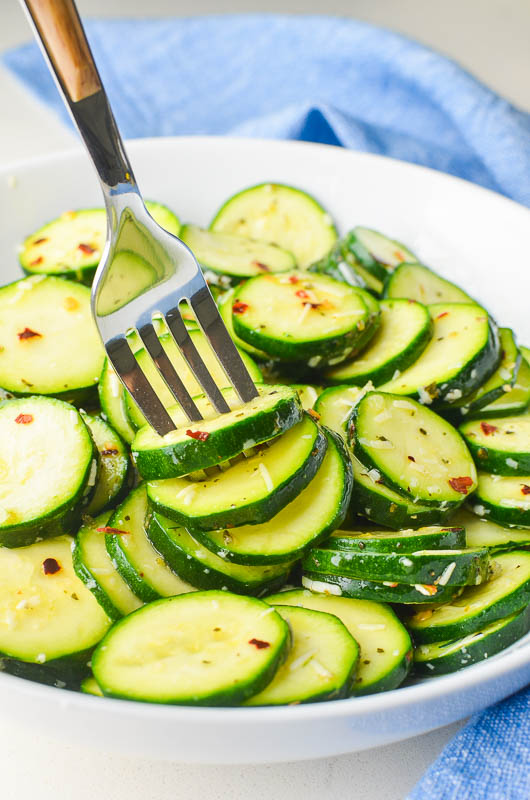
x,y
491,39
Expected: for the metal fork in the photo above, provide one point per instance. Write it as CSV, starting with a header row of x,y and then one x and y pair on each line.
x,y
143,270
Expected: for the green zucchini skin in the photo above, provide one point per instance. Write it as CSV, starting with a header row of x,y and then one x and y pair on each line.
x,y
482,437
112,400
89,685
478,606
115,474
513,402
335,406
418,282
362,589
482,532
512,506
377,253
441,658
62,673
339,265
405,541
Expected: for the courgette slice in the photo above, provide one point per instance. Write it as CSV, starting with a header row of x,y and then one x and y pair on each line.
x,y
94,567
440,658
500,445
48,469
504,499
49,343
321,664
418,282
461,355
208,648
134,557
280,215
341,266
319,509
335,405
482,532
225,303
252,490
90,686
514,401
193,446
376,252
416,452
405,541
308,394
297,317
403,334
379,591
115,472
205,570
386,650
112,401
506,592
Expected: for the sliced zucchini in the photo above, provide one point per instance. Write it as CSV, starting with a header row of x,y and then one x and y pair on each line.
x,y
90,686
403,334
504,499
376,252
49,343
48,613
379,591
433,537
416,452
218,437
386,651
418,282
514,401
297,317
500,445
115,473
252,490
309,518
134,557
227,259
112,401
321,664
335,405
48,469
440,658
207,648
308,394
94,567
205,570
280,215
462,354
507,592
342,266
482,532
225,303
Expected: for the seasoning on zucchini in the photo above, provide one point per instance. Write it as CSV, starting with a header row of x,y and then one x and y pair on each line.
x,y
114,474
500,445
225,303
503,498
409,540
342,266
418,282
514,401
377,253
335,405
481,532
379,591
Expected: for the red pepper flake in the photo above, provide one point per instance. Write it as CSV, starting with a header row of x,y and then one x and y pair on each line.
x,y
201,436
112,531
488,429
24,419
411,458
36,261
41,240
27,333
259,643
525,489
239,307
262,267
460,484
293,279
50,566
302,294
86,248
443,314
313,413
109,451
430,589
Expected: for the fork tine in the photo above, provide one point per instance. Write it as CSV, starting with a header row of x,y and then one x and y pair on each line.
x,y
207,313
182,338
143,394
168,372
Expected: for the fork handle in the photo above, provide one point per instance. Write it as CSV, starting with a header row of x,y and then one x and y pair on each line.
x,y
60,33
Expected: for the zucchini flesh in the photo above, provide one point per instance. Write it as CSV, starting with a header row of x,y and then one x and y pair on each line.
x,y
217,437
48,469
418,282
281,215
376,252
482,532
90,686
307,393
404,541
506,592
114,466
252,490
112,401
500,445
340,265
321,664
415,451
225,303
335,405
403,334
386,650
514,401
48,613
504,499
49,342
379,591
207,648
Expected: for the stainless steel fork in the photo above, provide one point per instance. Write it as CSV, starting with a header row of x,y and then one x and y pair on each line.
x,y
144,270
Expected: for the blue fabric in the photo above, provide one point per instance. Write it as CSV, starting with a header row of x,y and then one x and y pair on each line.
x,y
339,82
314,78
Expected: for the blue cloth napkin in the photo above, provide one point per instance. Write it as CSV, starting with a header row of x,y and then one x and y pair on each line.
x,y
340,82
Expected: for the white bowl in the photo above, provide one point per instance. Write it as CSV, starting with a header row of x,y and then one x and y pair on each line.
x,y
470,235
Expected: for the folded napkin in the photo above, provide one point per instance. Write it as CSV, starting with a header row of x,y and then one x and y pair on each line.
x,y
339,82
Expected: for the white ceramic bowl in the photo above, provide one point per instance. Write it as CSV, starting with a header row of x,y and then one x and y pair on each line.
x,y
470,235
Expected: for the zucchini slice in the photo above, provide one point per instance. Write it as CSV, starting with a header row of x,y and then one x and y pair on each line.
x,y
227,259
416,452
482,532
500,445
402,336
48,613
507,592
115,473
335,405
134,557
48,469
379,591
208,648
340,265
309,518
308,394
514,401
298,317
205,570
504,499
440,658
94,567
386,650
90,686
376,252
252,490
49,343
418,282
225,303
321,664
193,446
461,355
433,537
112,402
280,215
71,245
